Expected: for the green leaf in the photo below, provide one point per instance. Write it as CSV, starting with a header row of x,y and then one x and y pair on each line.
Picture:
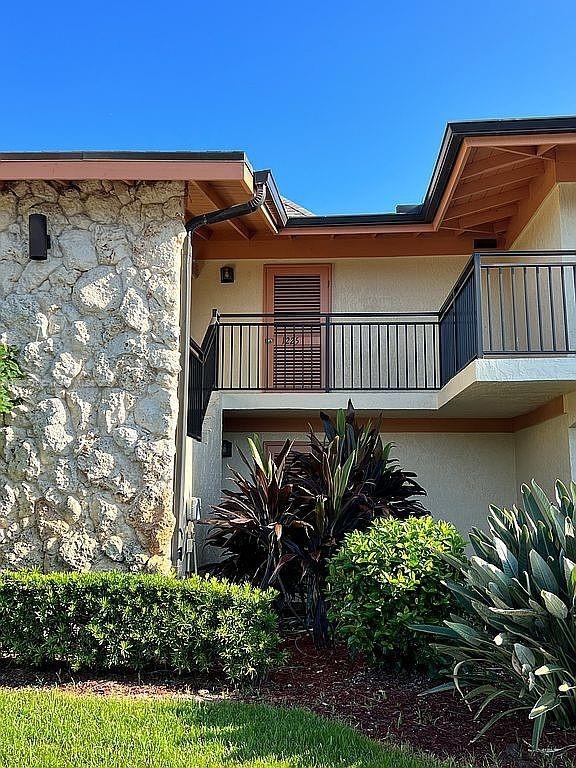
x,y
541,572
554,605
547,702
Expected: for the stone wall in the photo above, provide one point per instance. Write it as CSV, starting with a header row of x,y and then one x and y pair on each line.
x,y
86,461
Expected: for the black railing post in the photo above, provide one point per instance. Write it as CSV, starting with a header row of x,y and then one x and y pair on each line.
x,y
478,301
327,326
216,322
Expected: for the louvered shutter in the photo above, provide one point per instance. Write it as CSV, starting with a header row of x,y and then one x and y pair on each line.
x,y
297,340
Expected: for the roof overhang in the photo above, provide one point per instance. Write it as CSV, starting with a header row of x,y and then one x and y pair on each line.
x,y
489,178
534,153
213,180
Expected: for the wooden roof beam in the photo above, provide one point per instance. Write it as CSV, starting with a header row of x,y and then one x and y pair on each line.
x,y
486,203
497,180
543,149
490,164
214,198
522,151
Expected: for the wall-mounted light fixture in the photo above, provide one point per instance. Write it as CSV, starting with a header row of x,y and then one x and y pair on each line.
x,y
226,449
38,237
227,274
485,243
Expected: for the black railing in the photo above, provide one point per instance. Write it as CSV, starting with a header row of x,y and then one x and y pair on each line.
x,y
459,323
330,352
503,304
528,305
202,379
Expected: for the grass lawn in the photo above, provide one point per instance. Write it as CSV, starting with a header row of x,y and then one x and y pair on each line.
x,y
53,730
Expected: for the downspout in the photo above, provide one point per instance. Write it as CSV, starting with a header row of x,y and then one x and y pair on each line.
x,y
192,225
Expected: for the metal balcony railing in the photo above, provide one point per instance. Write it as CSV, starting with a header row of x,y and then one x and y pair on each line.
x,y
328,352
203,362
503,304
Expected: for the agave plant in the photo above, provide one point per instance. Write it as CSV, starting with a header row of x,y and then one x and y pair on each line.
x,y
288,516
515,646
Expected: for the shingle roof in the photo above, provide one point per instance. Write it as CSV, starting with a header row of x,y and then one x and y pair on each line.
x,y
293,209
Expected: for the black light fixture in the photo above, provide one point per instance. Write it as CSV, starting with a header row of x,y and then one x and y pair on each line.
x,y
485,243
38,237
226,449
227,274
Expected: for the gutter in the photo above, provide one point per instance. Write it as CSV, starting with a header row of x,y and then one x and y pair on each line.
x,y
192,225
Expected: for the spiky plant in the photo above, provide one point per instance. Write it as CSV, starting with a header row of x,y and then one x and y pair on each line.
x,y
514,647
376,483
251,522
286,518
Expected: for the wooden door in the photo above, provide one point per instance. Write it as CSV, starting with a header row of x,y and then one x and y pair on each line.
x,y
295,337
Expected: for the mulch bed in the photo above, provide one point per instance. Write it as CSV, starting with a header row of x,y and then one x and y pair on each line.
x,y
383,704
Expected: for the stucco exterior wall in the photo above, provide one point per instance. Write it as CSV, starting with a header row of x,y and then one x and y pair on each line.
x,y
463,473
394,284
86,461
544,228
567,196
543,454
553,225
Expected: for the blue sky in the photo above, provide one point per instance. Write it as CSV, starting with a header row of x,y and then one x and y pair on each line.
x,y
345,101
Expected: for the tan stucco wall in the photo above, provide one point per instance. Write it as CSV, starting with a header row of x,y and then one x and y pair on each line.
x,y
553,225
543,454
393,284
567,194
543,230
547,451
463,473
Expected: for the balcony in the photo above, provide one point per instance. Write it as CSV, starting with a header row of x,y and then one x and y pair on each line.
x,y
511,304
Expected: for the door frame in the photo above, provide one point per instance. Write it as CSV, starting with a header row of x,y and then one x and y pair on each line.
x,y
284,268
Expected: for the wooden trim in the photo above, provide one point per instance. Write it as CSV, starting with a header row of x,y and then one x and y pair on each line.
x,y
123,170
549,410
217,202
275,446
457,170
486,184
265,248
486,203
520,140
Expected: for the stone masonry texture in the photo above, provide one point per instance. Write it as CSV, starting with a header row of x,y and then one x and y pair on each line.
x,y
87,458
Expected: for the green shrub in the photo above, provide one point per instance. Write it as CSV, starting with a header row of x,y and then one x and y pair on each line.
x,y
136,622
389,577
515,648
9,370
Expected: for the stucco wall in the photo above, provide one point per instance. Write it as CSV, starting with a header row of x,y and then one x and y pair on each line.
x,y
546,452
463,473
394,284
544,229
86,462
543,454
567,194
553,225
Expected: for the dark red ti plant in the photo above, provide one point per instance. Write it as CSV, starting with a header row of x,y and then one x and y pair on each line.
x,y
289,515
253,521
346,481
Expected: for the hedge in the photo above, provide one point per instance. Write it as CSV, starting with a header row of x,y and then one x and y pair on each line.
x,y
100,621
